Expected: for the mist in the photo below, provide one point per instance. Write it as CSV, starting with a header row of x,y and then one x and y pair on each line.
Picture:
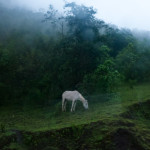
x,y
124,14
34,5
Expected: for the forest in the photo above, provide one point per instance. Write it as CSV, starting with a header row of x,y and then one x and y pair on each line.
x,y
44,53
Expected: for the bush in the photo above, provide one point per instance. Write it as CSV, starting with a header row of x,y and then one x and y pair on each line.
x,y
104,79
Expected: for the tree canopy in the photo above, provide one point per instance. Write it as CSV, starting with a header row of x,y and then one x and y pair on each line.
x,y
39,60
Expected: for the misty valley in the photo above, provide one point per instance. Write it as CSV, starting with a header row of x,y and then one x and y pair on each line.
x,y
100,69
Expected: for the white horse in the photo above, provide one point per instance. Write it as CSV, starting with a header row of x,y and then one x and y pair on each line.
x,y
73,96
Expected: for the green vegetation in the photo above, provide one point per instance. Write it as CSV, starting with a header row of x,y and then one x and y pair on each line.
x,y
42,55
101,107
124,116
39,60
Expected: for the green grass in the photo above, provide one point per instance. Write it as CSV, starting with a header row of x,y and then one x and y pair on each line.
x,y
120,122
50,117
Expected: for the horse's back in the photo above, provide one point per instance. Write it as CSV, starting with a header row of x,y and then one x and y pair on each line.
x,y
70,95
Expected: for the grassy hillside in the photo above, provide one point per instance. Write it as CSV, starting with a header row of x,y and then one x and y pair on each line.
x,y
116,121
101,107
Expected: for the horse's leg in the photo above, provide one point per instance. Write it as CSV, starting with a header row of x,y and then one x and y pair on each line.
x,y
72,105
65,105
63,101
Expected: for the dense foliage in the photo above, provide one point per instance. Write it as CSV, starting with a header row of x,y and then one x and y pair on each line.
x,y
43,55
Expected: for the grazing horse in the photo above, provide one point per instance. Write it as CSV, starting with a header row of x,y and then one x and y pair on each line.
x,y
73,96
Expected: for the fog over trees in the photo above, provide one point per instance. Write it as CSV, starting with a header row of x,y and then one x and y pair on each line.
x,y
43,54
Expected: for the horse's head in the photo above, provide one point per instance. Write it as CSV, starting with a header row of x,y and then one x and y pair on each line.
x,y
85,104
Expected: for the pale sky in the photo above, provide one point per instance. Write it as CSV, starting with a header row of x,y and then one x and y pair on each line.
x,y
133,14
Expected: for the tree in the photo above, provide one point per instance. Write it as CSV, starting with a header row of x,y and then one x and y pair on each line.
x,y
104,79
56,19
126,62
117,39
82,22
